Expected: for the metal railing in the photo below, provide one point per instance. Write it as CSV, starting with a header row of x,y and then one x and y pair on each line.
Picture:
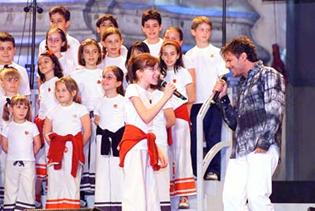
x,y
203,163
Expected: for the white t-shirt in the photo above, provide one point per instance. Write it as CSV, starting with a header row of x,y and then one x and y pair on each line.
x,y
181,79
159,121
67,62
67,119
155,48
90,87
123,49
24,83
20,140
73,49
132,117
47,99
114,61
209,66
111,112
188,64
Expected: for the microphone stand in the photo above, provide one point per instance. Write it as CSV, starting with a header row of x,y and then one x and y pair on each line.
x,y
34,8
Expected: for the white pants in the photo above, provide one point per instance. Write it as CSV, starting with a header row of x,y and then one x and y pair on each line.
x,y
249,179
139,184
19,185
163,182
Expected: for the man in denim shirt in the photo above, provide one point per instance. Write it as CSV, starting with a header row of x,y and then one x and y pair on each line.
x,y
256,119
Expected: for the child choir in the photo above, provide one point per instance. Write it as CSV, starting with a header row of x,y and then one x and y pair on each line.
x,y
92,143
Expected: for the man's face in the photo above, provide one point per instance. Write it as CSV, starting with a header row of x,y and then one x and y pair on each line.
x,y
7,52
236,65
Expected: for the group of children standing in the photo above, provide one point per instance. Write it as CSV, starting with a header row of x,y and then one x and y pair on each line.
x,y
107,131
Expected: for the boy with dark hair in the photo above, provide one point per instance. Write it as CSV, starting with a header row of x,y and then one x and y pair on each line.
x,y
59,16
152,26
7,53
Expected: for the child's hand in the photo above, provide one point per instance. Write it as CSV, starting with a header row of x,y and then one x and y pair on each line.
x,y
169,89
163,161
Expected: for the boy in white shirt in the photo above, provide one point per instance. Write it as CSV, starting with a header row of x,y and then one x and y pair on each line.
x,y
152,26
59,16
209,66
7,52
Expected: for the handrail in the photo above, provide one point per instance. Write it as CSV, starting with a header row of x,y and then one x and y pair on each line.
x,y
212,152
200,137
201,169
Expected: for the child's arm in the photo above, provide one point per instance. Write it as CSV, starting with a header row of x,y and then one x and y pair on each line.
x,y
191,95
4,144
162,158
47,129
97,119
169,117
36,144
86,126
147,114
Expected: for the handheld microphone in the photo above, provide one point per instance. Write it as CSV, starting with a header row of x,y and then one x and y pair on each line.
x,y
176,93
216,94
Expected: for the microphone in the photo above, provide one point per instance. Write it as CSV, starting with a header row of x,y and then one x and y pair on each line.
x,y
176,93
216,94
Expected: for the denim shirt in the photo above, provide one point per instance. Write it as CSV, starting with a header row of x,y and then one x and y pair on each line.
x,y
257,114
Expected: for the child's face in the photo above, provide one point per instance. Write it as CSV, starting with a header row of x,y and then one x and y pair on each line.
x,y
113,43
7,52
152,29
202,33
104,25
149,75
109,81
63,95
45,65
10,84
173,35
90,55
169,55
19,112
54,42
57,20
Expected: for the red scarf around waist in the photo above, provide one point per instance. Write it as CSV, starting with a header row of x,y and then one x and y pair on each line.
x,y
180,113
132,136
40,124
58,146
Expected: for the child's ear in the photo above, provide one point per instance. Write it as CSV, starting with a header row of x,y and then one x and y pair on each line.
x,y
67,25
98,30
10,109
193,32
119,83
74,93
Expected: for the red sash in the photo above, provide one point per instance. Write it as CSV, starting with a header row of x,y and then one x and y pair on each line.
x,y
132,136
58,146
180,113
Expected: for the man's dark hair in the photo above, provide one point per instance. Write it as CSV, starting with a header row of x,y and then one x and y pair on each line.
x,y
241,45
